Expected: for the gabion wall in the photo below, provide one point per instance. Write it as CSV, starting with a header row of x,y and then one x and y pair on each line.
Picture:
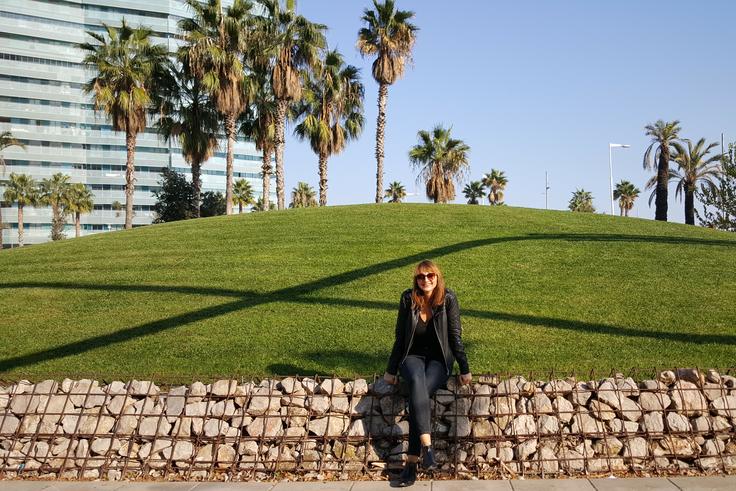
x,y
681,421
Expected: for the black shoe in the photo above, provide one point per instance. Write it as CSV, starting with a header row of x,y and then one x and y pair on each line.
x,y
428,462
408,475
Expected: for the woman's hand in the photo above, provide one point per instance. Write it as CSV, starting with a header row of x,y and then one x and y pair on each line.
x,y
389,379
466,378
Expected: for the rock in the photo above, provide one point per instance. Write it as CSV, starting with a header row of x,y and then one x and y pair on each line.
x,y
548,425
503,410
557,388
203,459
654,401
653,423
713,447
154,426
622,427
224,388
248,447
223,409
667,377
508,388
627,386
380,387
725,406
523,425
563,408
267,426
318,404
357,428
525,449
548,460
264,401
119,402
601,410
635,447
340,403
706,424
357,387
142,388
485,428
310,385
540,404
97,425
24,404
195,409
197,391
101,446
571,460
713,376
609,446
581,393
687,399
295,416
585,424
652,386
481,406
216,427
295,432
691,375
681,447
226,456
714,391
29,424
176,400
114,388
48,387
611,395
459,426
444,397
678,422
331,425
331,386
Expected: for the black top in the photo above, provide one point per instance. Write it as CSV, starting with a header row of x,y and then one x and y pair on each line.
x,y
425,342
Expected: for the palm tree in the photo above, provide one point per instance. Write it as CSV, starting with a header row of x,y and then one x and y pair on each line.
x,y
258,125
581,201
389,36
496,183
473,191
54,192
188,116
242,194
127,68
292,44
216,42
21,189
303,196
6,140
79,200
663,135
332,112
395,192
626,193
259,206
695,167
441,160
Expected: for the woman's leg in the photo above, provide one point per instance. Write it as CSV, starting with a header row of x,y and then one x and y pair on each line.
x,y
435,376
413,371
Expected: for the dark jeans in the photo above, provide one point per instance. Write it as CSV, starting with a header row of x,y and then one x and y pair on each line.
x,y
424,377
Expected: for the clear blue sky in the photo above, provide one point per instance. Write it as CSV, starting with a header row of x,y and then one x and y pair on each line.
x,y
535,86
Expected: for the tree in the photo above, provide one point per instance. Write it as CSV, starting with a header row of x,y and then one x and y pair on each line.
x,y
292,44
128,68
719,205
395,192
581,201
303,196
189,117
21,189
389,36
79,200
695,168
242,194
213,204
6,140
259,206
626,193
496,183
473,191
216,41
440,160
331,112
54,192
658,154
175,200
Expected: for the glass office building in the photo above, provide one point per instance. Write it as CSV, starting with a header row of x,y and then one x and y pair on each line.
x,y
42,103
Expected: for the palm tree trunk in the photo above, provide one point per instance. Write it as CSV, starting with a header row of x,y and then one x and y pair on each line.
x,y
130,138
689,204
281,107
662,178
622,210
197,187
322,179
240,207
2,226
230,133
380,132
20,225
77,225
266,169
627,211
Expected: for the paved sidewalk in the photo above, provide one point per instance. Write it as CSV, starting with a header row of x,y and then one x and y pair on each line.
x,y
628,484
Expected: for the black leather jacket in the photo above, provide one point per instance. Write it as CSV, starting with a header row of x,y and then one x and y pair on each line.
x,y
446,322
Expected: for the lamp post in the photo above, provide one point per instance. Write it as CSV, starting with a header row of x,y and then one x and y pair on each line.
x,y
610,167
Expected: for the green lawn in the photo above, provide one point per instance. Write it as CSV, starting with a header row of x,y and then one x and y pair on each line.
x,y
316,291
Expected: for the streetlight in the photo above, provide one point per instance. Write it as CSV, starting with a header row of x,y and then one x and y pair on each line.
x,y
610,167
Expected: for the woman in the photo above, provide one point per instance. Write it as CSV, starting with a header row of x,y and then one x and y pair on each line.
x,y
428,341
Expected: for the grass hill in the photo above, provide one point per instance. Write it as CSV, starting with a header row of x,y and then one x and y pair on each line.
x,y
316,291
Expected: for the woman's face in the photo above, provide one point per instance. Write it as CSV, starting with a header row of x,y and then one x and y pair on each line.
x,y
427,281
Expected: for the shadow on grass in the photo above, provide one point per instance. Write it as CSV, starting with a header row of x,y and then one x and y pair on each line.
x,y
300,293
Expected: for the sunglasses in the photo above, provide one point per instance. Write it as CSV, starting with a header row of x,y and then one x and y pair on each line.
x,y
426,277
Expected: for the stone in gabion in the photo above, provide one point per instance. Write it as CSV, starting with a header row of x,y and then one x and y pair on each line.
x,y
687,399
